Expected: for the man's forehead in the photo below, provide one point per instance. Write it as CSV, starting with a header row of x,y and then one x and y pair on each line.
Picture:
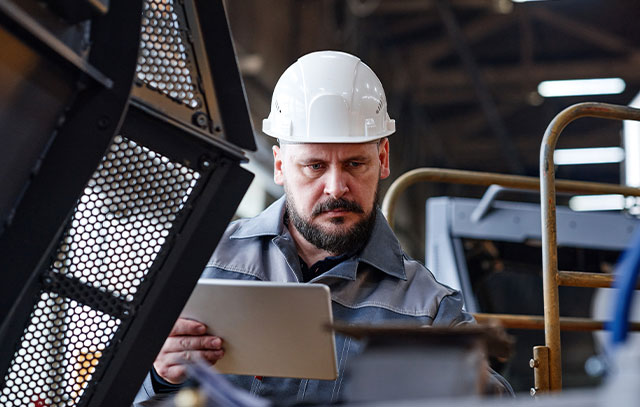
x,y
330,148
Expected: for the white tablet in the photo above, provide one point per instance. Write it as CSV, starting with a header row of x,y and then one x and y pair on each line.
x,y
267,328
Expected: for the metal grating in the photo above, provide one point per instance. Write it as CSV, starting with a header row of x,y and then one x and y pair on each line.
x,y
116,232
58,354
123,218
165,59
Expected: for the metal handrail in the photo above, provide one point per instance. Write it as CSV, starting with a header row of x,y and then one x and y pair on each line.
x,y
514,321
551,368
548,186
489,178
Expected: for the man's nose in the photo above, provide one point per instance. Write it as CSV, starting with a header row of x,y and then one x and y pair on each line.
x,y
336,185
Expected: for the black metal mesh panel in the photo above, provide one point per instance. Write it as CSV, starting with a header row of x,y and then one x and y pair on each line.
x,y
166,59
116,232
123,218
59,352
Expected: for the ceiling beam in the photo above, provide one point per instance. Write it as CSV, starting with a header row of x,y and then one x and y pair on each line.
x,y
406,26
472,122
466,95
426,53
583,31
626,68
483,93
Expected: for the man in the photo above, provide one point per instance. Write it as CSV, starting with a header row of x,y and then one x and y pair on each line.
x,y
329,114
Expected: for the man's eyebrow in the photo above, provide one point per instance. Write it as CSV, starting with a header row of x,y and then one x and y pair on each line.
x,y
307,160
317,159
357,158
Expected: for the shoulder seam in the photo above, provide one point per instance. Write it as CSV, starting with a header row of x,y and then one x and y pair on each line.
x,y
384,306
232,269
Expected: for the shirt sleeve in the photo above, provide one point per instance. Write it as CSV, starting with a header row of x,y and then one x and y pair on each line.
x,y
450,312
154,391
160,385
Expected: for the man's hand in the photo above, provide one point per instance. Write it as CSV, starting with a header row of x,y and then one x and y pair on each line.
x,y
187,340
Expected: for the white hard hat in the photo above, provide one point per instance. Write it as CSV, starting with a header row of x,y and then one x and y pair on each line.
x,y
328,97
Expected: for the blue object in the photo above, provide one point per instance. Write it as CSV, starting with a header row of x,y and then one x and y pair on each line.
x,y
626,280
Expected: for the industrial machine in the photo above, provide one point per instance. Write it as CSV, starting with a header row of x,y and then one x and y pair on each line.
x,y
123,127
490,250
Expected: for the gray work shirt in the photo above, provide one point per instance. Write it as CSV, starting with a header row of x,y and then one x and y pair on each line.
x,y
379,284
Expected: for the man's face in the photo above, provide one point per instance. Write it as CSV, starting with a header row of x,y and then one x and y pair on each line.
x,y
331,188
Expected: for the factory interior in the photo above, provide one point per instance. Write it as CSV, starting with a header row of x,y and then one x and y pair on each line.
x,y
133,134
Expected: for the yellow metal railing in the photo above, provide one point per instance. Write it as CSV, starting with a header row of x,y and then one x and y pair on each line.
x,y
548,187
547,359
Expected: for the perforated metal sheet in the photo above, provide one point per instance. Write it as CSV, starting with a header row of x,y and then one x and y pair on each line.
x,y
166,59
116,232
123,218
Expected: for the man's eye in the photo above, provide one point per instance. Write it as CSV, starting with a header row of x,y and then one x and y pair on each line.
x,y
315,167
355,164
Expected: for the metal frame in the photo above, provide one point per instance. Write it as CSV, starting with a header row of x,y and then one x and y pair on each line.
x,y
449,220
215,81
30,242
548,187
544,367
96,112
488,178
177,269
34,32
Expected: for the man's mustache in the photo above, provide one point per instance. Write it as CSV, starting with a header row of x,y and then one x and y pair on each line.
x,y
334,204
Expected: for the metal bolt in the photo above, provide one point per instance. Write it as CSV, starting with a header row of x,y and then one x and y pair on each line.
x,y
206,162
533,363
200,119
128,311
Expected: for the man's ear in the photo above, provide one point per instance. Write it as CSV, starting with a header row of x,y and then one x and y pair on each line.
x,y
278,157
383,155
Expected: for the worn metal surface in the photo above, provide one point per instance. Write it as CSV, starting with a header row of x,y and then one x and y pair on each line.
x,y
512,321
580,279
33,31
540,366
548,186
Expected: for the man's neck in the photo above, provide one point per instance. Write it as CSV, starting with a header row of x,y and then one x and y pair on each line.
x,y
307,251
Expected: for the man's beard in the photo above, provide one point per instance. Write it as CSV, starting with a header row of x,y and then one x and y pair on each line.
x,y
335,243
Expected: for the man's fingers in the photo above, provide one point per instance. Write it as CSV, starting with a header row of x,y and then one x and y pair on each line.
x,y
186,343
212,355
188,327
178,358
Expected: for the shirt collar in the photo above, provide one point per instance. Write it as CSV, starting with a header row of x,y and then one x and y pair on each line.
x,y
267,223
382,251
